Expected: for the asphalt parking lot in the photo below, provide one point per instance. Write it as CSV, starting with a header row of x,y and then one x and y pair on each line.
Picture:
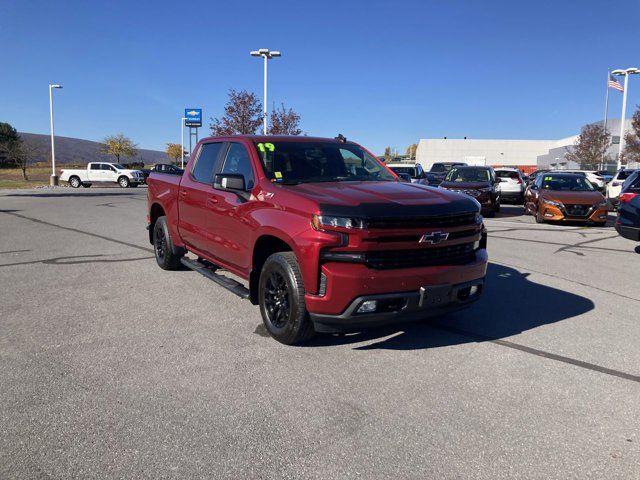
x,y
112,368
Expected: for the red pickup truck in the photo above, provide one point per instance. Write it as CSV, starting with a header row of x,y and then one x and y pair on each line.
x,y
323,233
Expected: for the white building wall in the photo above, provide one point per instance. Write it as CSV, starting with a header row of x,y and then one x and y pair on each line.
x,y
494,152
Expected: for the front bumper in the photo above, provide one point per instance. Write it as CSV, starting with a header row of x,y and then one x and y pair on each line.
x,y
347,282
401,307
557,214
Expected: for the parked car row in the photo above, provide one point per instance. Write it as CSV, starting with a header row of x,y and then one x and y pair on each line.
x,y
105,172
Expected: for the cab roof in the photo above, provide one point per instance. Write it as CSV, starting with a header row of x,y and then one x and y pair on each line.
x,y
278,138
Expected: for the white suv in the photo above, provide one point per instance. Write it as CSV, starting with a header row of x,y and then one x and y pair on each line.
x,y
615,185
511,185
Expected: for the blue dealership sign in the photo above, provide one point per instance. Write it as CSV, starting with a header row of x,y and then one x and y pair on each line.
x,y
193,117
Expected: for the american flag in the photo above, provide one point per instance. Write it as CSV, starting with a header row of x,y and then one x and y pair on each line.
x,y
613,83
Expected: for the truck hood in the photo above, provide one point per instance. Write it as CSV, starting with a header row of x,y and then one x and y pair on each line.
x,y
572,197
383,199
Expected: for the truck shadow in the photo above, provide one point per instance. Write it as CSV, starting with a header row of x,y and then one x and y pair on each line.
x,y
511,304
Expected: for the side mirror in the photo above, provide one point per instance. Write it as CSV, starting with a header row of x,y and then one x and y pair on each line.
x,y
229,181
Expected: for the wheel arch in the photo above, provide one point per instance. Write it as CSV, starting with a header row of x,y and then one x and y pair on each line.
x,y
265,245
155,212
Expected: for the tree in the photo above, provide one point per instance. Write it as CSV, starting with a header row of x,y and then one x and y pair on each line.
x,y
174,151
387,154
242,115
411,150
8,134
284,122
119,145
590,147
631,151
17,154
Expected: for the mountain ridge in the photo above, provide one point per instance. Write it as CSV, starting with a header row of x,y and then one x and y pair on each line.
x,y
78,151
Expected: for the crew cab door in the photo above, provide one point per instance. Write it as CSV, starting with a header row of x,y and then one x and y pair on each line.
x,y
110,173
196,197
94,172
231,210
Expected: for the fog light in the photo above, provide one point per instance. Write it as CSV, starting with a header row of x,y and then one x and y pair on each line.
x,y
368,306
473,290
546,214
603,217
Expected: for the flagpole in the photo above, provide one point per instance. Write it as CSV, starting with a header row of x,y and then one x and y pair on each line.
x,y
606,112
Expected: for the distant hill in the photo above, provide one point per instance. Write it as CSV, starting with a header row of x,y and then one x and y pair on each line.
x,y
80,152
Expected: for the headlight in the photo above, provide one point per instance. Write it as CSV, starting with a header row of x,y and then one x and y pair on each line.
x,y
552,203
320,222
601,203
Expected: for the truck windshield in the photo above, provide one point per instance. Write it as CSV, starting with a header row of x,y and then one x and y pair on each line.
x,y
290,162
118,166
467,174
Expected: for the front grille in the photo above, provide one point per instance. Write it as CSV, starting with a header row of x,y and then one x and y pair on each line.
x,y
424,222
424,257
416,238
577,210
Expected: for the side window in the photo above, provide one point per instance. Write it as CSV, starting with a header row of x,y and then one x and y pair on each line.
x,y
206,161
109,167
95,166
238,162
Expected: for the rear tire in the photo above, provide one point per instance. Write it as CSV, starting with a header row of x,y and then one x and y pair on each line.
x,y
281,298
123,182
75,182
167,255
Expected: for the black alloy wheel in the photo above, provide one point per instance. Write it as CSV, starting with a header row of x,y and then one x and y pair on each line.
x,y
276,300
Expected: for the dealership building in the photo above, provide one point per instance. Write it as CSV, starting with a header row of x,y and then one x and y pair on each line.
x,y
526,155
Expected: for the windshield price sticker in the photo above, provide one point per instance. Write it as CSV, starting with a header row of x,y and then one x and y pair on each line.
x,y
268,146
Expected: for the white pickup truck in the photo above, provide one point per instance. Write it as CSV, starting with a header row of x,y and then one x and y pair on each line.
x,y
102,172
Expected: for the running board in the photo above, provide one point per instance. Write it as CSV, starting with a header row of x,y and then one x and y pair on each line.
x,y
209,272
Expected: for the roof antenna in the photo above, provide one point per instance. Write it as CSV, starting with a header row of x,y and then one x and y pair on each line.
x,y
341,138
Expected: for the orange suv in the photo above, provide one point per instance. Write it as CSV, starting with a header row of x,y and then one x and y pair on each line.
x,y
565,197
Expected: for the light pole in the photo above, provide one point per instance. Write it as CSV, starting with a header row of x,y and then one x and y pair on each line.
x,y
626,73
266,54
182,120
54,178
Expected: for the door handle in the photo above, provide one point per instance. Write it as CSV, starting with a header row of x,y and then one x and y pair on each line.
x,y
211,201
183,193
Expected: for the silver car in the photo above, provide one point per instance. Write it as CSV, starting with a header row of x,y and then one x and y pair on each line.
x,y
511,185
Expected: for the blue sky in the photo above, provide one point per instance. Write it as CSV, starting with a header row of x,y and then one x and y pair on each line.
x,y
382,73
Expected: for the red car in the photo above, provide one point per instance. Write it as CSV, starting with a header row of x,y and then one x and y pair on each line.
x,y
324,234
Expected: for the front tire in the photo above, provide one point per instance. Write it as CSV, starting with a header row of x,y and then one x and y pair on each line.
x,y
539,218
75,182
123,182
167,255
281,297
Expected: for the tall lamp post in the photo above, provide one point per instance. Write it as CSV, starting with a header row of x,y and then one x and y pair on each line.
x,y
182,120
625,73
267,55
54,178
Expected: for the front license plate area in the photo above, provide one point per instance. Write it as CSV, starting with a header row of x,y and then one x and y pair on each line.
x,y
435,296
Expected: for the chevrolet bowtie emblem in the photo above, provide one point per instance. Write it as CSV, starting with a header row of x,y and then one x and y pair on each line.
x,y
434,237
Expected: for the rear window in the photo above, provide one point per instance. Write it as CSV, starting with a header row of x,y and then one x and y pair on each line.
x,y
624,174
411,171
507,174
